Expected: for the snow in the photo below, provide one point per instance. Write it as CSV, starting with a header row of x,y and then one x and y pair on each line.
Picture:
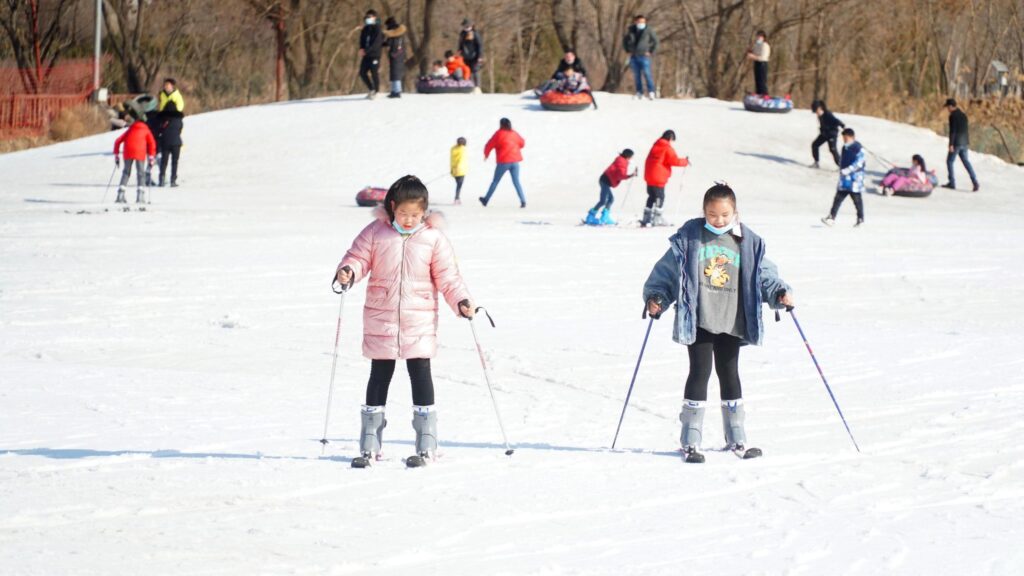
x,y
163,374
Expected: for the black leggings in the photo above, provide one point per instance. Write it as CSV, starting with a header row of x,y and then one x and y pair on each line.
x,y
458,186
172,153
761,78
368,71
655,196
381,372
841,195
821,139
725,350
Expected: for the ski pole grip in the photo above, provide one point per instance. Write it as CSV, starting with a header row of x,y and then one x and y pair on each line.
x,y
343,287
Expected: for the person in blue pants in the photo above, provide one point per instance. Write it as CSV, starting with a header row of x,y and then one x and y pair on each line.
x,y
507,145
640,42
959,141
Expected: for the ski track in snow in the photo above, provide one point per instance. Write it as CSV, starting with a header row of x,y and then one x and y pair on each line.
x,y
163,373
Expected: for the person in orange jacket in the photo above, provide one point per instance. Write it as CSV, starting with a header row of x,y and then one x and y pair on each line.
x,y
657,170
457,67
139,149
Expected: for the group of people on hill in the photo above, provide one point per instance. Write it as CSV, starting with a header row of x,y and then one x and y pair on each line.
x,y
148,137
464,63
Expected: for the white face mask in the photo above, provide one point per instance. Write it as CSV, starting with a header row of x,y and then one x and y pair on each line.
x,y
370,21
641,25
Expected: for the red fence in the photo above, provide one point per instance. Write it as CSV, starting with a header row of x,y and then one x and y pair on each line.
x,y
30,113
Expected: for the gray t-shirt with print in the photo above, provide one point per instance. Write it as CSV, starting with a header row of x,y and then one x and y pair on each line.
x,y
719,305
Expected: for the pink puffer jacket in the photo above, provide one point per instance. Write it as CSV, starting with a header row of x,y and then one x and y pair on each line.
x,y
406,273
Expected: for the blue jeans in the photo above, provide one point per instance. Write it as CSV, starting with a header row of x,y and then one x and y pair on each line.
x,y
607,198
499,171
960,151
641,66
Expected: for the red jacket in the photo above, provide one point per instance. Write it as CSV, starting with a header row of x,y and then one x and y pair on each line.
x,y
138,142
660,161
618,171
508,144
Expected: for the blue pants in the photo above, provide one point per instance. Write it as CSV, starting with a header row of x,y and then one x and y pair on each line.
x,y
607,198
499,171
641,66
960,151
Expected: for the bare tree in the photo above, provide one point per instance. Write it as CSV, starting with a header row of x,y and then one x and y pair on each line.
x,y
38,38
143,34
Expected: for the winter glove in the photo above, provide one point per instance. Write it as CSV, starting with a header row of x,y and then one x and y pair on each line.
x,y
151,161
117,161
466,309
655,307
346,285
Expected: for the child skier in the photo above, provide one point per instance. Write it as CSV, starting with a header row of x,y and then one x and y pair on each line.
x,y
828,131
612,176
657,170
459,165
408,261
140,150
851,179
716,272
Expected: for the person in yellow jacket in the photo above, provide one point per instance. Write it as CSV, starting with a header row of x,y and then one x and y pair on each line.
x,y
170,93
460,165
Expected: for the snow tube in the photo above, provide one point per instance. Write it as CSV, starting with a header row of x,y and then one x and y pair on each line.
x,y
371,196
444,86
561,102
909,187
773,104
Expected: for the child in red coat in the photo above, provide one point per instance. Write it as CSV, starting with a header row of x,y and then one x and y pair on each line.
x,y
139,148
612,177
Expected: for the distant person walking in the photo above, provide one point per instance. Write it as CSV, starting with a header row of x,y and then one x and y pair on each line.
x,y
760,53
471,46
394,39
959,140
640,42
657,170
851,179
371,43
169,141
507,145
828,131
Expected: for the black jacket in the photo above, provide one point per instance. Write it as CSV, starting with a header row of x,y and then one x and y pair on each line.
x,y
371,40
829,125
577,66
958,132
396,52
472,50
171,123
638,42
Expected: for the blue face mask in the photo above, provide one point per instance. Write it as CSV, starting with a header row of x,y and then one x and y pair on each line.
x,y
719,231
370,21
641,26
403,231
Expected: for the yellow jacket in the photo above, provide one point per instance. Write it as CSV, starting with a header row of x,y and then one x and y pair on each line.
x,y
172,97
460,164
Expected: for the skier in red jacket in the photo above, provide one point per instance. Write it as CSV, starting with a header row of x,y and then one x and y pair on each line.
x,y
139,148
657,170
612,177
507,145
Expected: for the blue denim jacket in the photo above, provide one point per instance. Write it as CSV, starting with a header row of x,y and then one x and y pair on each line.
x,y
675,278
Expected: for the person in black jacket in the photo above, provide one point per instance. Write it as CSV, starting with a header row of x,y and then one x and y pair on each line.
x,y
471,46
959,140
828,131
169,141
569,62
394,34
371,41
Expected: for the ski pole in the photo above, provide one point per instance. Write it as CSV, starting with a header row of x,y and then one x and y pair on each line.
x,y
487,378
629,188
109,182
822,374
334,366
435,178
632,382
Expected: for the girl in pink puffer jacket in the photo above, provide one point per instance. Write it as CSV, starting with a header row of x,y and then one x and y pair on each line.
x,y
408,260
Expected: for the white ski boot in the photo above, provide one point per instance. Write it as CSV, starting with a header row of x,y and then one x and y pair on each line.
x,y
733,416
424,422
692,418
370,436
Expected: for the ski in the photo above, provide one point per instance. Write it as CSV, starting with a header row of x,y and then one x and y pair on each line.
x,y
415,462
748,453
692,456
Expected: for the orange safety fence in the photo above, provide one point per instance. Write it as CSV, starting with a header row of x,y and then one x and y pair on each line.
x,y
31,112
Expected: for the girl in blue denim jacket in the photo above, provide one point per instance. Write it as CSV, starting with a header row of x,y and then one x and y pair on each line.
x,y
716,273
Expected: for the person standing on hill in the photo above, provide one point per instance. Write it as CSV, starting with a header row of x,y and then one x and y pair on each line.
x,y
394,34
371,43
471,47
169,141
760,53
657,170
828,131
959,140
139,150
459,167
508,146
170,93
640,42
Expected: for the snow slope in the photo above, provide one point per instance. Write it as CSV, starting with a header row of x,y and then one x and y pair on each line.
x,y
163,375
